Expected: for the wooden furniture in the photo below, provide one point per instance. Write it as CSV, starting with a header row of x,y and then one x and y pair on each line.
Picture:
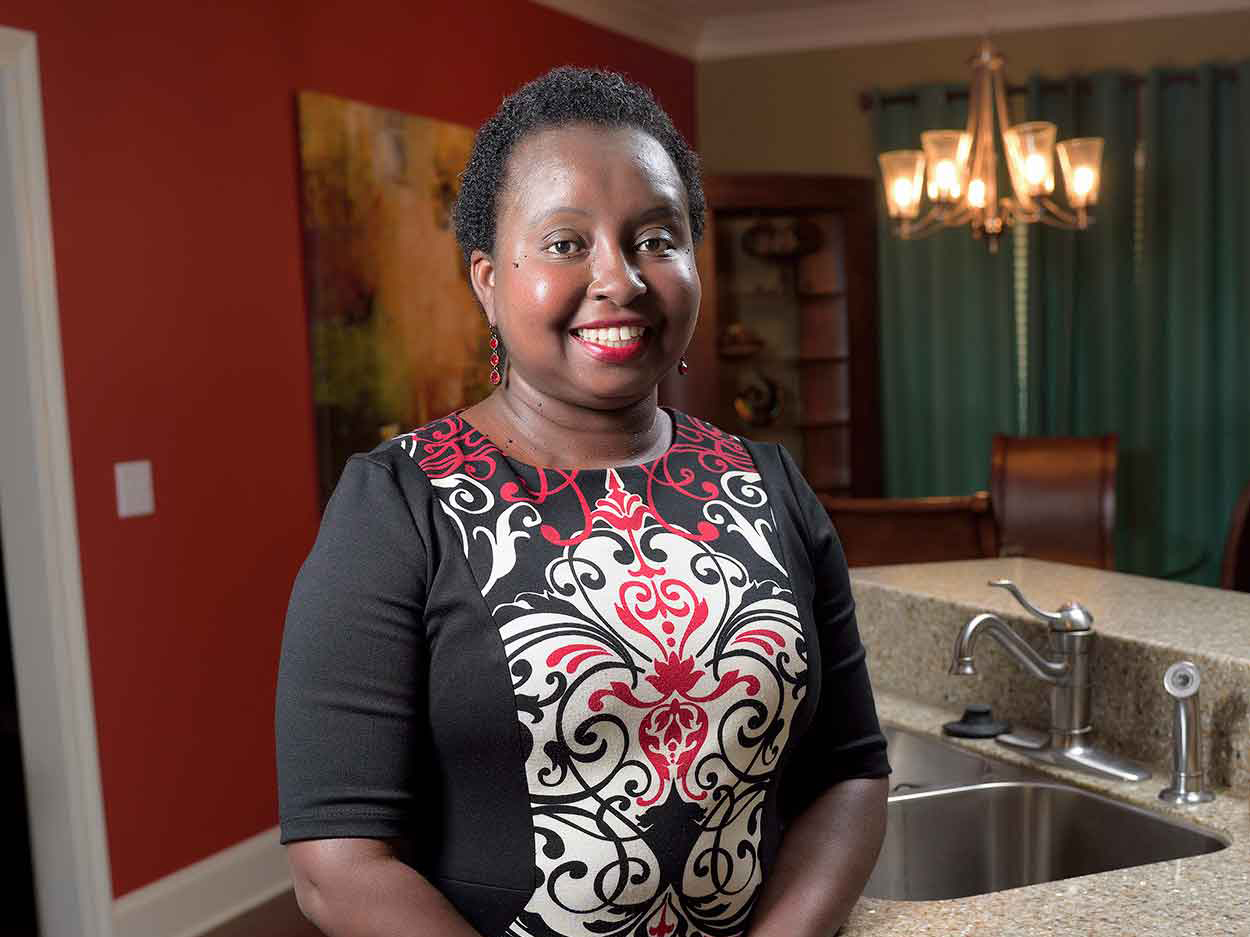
x,y
881,531
786,347
1054,498
1236,569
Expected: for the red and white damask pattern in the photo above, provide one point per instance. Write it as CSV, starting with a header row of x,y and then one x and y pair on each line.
x,y
657,659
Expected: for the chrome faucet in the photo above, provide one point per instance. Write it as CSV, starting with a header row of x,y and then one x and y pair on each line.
x,y
1067,670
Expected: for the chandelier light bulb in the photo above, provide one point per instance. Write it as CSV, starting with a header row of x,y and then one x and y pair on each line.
x,y
1080,159
1083,181
902,192
976,193
1035,168
945,154
902,176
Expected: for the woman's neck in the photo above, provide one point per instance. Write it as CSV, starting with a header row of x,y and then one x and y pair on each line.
x,y
542,430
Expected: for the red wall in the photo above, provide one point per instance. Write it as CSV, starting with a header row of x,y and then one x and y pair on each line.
x,y
174,174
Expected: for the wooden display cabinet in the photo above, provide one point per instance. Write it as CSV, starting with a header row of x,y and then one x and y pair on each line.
x,y
786,348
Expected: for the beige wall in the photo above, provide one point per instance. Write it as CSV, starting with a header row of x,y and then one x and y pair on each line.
x,y
799,112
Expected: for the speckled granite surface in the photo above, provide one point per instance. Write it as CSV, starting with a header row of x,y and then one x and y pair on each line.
x,y
1205,895
910,614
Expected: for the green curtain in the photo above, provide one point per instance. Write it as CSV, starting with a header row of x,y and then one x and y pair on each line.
x,y
1141,325
947,333
1091,342
1196,296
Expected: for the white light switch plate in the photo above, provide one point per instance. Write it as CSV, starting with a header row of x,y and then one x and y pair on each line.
x,y
135,497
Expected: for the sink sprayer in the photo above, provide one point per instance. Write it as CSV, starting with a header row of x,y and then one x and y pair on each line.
x,y
1182,680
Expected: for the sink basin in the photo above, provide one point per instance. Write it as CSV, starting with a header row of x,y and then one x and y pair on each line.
x,y
956,842
960,824
921,761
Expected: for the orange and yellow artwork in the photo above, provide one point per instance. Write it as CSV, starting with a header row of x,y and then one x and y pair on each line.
x,y
397,337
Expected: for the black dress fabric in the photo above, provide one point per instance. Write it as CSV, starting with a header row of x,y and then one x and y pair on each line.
x,y
583,702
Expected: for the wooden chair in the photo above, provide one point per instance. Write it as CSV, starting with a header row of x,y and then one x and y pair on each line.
x,y
1236,570
881,531
1054,498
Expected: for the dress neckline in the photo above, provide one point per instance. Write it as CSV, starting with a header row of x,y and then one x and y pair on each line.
x,y
594,468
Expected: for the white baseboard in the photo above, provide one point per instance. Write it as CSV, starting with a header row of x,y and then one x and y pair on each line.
x,y
209,893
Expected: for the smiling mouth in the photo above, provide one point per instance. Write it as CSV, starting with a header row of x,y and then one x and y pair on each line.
x,y
615,337
614,346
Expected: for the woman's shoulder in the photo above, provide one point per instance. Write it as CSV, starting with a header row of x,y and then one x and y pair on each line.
x,y
427,447
766,454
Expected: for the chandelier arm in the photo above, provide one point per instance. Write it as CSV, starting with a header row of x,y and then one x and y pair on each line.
x,y
961,217
1065,216
919,227
922,228
1048,219
1010,155
1000,105
1026,215
991,85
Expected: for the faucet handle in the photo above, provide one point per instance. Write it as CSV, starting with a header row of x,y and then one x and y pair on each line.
x,y
1071,616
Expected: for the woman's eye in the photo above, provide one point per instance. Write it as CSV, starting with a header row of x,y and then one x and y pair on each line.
x,y
656,245
562,247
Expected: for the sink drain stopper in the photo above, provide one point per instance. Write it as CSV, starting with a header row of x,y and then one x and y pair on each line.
x,y
978,722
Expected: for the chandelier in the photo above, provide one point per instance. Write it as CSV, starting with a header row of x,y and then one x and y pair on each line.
x,y
958,169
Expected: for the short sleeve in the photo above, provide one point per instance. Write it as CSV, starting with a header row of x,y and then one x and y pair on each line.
x,y
351,691
844,739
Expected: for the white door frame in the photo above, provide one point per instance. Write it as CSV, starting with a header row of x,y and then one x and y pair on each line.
x,y
56,714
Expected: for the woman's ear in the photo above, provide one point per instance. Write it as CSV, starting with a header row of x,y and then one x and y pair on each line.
x,y
482,279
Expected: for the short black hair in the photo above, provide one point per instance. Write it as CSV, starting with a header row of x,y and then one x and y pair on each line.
x,y
563,96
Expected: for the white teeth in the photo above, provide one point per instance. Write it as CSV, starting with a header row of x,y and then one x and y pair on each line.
x,y
616,335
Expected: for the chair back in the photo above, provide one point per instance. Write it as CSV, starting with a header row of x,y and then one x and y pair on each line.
x,y
1236,571
1054,497
881,531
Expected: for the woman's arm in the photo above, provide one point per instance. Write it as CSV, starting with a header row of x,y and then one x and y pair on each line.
x,y
825,859
358,888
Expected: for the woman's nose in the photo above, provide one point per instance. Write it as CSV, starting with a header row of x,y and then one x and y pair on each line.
x,y
614,276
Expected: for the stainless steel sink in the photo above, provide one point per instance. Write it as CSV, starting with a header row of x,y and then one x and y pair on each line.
x,y
919,761
956,838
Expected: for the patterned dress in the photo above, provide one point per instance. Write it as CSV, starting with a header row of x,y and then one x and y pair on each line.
x,y
644,629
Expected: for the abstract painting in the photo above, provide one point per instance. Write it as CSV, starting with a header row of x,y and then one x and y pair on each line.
x,y
397,337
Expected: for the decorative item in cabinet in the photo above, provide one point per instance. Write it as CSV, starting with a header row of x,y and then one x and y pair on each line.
x,y
787,334
759,402
792,238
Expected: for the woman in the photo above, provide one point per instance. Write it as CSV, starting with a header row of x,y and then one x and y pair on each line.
x,y
565,662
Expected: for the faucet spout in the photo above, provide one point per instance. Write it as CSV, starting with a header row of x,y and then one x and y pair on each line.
x,y
963,664
1067,670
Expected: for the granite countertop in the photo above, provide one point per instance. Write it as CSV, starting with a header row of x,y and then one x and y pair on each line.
x,y
1206,895
910,614
1178,617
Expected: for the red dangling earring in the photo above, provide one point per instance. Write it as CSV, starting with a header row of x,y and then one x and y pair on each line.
x,y
494,354
682,367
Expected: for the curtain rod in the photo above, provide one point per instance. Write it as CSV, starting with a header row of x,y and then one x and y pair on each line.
x,y
1082,86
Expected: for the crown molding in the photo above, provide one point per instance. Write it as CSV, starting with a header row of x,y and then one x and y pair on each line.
x,y
637,19
881,21
859,22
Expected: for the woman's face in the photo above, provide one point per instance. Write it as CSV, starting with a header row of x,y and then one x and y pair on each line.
x,y
592,229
